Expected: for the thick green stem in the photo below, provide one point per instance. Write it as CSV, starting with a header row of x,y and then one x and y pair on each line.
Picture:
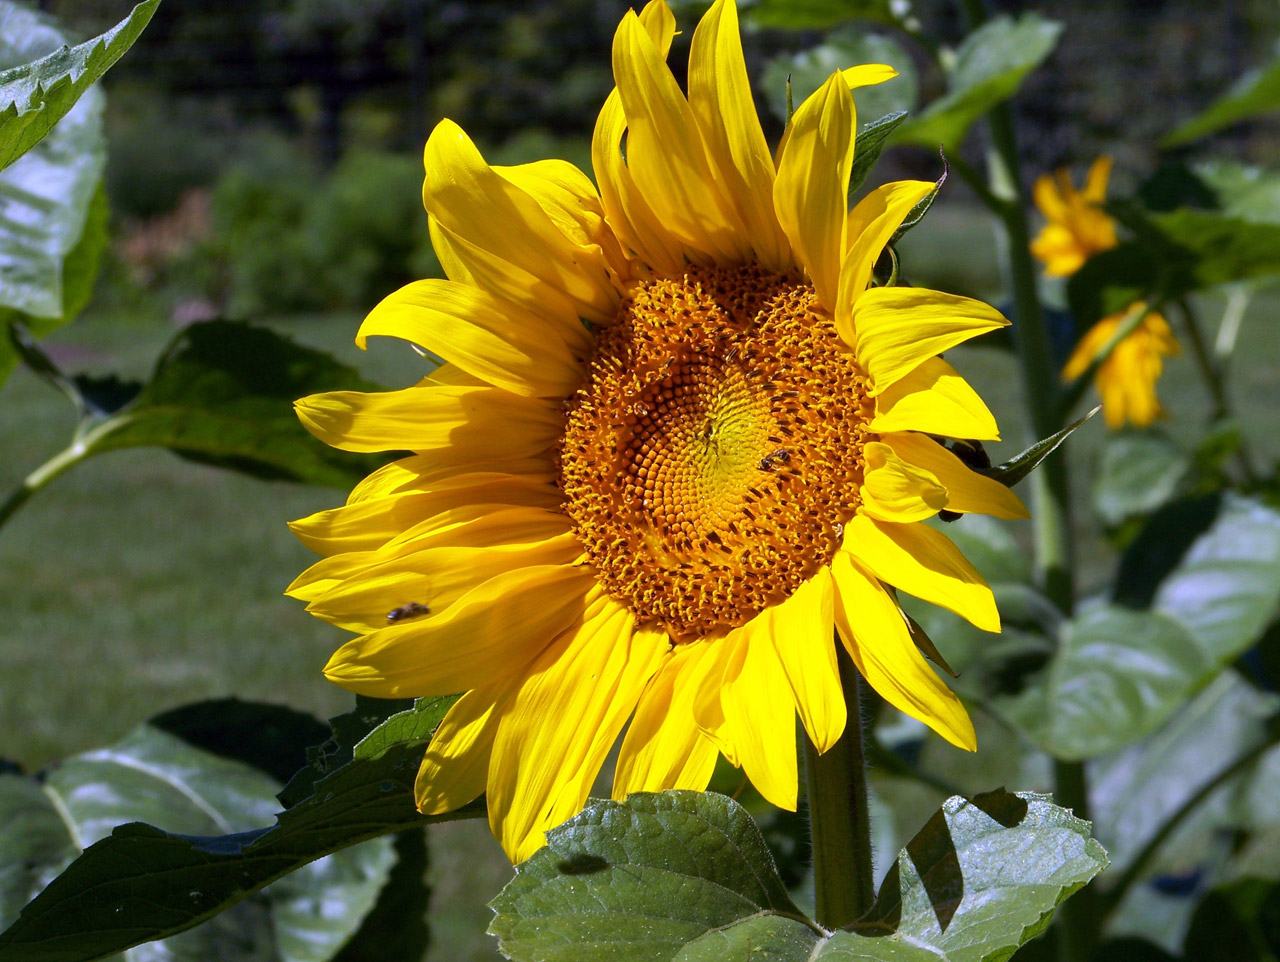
x,y
41,476
839,819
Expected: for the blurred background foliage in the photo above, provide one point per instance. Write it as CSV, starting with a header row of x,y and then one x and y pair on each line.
x,y
263,164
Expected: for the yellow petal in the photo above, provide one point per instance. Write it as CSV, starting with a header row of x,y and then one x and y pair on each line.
x,y
967,491
434,577
419,471
560,725
456,764
1095,184
761,714
665,153
326,573
1087,347
628,213
720,96
811,193
1048,199
455,423
867,74
871,224
876,637
482,334
490,272
471,200
450,375
707,680
896,490
366,525
664,748
488,634
925,563
800,629
934,398
898,328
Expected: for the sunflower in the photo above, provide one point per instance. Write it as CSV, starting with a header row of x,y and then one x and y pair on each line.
x,y
1077,227
678,445
1126,380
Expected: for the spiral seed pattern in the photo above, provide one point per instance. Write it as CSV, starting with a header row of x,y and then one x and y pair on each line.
x,y
714,453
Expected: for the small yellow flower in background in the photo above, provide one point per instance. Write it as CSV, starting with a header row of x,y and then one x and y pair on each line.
x,y
669,513
1127,379
1077,227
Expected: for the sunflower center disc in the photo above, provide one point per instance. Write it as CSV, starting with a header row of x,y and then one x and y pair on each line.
x,y
715,451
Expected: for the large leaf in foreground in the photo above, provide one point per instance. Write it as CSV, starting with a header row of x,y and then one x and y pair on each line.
x,y
1209,573
142,883
686,876
156,776
223,393
35,96
989,68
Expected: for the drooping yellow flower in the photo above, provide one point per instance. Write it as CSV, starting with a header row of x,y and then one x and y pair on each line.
x,y
1077,227
670,512
1127,378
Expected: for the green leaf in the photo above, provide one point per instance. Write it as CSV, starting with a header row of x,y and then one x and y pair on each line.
x,y
842,48
868,146
1117,676
989,68
1210,572
817,14
1237,922
53,209
1257,92
223,394
1226,588
45,197
1248,192
35,96
686,876
156,776
1135,791
1136,474
1174,253
79,272
1015,469
141,883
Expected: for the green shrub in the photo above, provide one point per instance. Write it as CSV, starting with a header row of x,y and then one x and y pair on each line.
x,y
292,239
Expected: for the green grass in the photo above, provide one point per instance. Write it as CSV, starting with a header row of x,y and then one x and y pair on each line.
x,y
138,581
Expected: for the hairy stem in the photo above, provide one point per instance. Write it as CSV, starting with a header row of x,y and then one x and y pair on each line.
x,y
839,818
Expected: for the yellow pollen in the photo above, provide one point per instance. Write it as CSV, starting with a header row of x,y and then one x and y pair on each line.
x,y
714,453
